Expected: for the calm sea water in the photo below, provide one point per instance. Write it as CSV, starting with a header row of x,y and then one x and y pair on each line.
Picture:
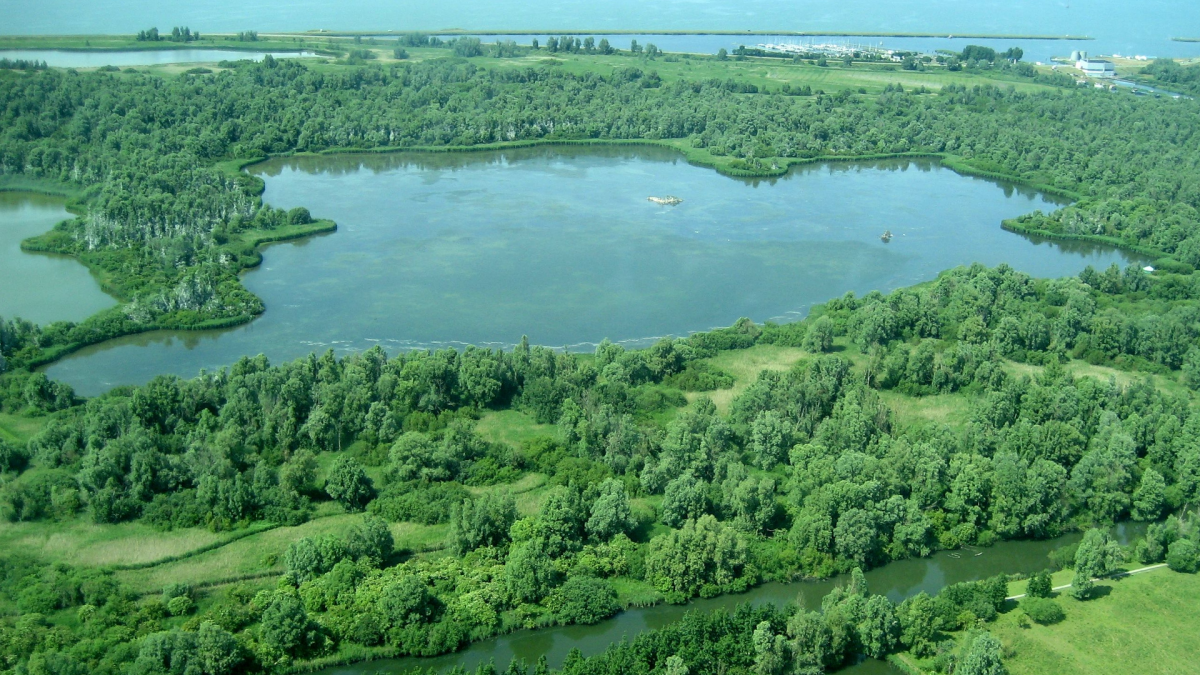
x,y
561,244
39,287
1140,27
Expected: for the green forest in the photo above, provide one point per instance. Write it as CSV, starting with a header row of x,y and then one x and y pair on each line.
x,y
1066,405
649,497
167,221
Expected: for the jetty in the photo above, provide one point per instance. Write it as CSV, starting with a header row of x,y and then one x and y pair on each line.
x,y
665,201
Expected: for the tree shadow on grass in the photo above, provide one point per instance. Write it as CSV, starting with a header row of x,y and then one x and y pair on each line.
x,y
1099,591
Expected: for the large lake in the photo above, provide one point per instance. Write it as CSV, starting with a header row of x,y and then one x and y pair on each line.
x,y
39,287
61,58
561,244
1141,27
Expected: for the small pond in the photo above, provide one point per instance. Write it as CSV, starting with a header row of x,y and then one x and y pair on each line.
x,y
562,245
36,286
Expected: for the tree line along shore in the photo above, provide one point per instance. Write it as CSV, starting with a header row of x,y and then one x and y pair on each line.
x,y
473,492
129,220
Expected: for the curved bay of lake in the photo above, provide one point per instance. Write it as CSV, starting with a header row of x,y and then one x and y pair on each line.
x,y
561,244
41,287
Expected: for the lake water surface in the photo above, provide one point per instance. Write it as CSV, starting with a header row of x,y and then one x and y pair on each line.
x,y
35,286
61,58
561,244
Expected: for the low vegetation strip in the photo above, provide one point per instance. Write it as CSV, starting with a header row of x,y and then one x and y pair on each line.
x,y
237,536
215,583
783,33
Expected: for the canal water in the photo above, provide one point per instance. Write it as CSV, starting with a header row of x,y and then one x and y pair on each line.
x,y
897,580
562,245
36,286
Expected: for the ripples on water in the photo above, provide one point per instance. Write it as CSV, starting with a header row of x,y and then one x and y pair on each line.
x,y
560,244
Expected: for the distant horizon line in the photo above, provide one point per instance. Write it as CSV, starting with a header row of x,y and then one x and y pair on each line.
x,y
787,33
574,32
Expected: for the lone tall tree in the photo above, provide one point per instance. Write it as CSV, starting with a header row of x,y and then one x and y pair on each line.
x,y
1098,555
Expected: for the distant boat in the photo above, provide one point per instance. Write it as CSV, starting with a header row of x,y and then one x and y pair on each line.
x,y
886,236
665,201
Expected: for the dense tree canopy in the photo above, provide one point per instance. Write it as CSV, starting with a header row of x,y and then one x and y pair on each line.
x,y
809,473
171,228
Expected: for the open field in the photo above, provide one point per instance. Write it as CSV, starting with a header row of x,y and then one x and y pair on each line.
x,y
1145,625
79,542
745,365
262,553
951,409
512,427
767,72
528,492
18,428
1122,377
1142,623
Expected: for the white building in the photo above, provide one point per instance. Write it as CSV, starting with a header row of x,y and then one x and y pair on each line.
x,y
1096,67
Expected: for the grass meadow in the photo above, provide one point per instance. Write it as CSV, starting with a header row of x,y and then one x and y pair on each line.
x,y
1145,624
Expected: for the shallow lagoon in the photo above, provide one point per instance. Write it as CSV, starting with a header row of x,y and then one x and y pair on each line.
x,y
561,244
40,287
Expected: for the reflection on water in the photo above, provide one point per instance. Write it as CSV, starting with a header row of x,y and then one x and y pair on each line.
x,y
561,244
41,287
